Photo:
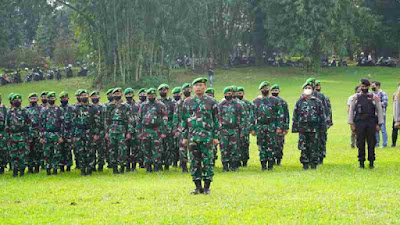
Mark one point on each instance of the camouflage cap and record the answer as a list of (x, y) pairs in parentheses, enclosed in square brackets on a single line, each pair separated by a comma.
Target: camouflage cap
[(228, 89), (176, 90), (151, 91), (94, 93), (109, 91), (263, 84), (51, 94), (44, 93), (16, 96), (210, 91), (142, 90), (240, 89), (186, 85), (33, 95), (200, 80), (163, 86), (129, 91), (116, 90), (63, 95), (275, 86)]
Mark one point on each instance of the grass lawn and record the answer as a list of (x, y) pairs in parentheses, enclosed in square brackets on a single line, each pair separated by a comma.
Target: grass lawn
[(337, 193)]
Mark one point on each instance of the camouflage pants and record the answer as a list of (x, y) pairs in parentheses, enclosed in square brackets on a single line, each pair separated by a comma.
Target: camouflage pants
[(183, 152), (281, 142), (35, 154), (229, 148), (18, 150), (134, 151), (167, 149), (152, 150), (4, 154), (66, 153), (309, 146), (324, 139), (267, 145), (52, 151), (244, 148), (175, 150), (201, 160), (86, 153), (118, 151), (99, 149)]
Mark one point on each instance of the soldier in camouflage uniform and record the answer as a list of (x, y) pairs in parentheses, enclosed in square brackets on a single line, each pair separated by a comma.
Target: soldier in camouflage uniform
[(84, 123), (168, 141), (142, 99), (268, 115), (11, 106), (17, 128), (176, 92), (133, 144), (183, 150), (200, 129), (310, 122), (51, 133), (35, 155), (98, 129), (232, 120), (3, 138), (211, 93), (275, 89), (119, 130), (75, 106), (152, 126), (67, 145), (109, 107), (110, 97), (245, 138)]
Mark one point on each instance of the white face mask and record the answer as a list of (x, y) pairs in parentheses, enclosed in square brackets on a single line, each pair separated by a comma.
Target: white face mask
[(307, 91)]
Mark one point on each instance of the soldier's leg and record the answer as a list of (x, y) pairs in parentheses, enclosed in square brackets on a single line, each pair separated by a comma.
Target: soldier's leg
[(312, 142), (272, 149), (57, 156), (148, 153), (122, 153), (207, 172), (30, 157), (157, 151), (361, 138), (3, 153), (303, 147), (225, 152), (279, 152), (81, 151), (262, 148), (244, 148), (183, 155), (113, 152), (135, 153), (47, 155), (168, 152), (101, 157), (68, 149), (370, 130), (129, 154), (395, 132), (235, 154), (176, 151), (195, 161)]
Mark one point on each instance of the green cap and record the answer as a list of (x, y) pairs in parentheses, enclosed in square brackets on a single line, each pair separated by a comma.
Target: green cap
[(33, 95), (94, 93), (118, 89), (317, 82), (186, 85), (10, 96), (263, 84), (306, 84), (63, 95), (176, 90), (310, 80), (210, 91), (163, 86), (228, 89), (109, 91), (44, 93), (51, 94), (200, 80), (78, 92), (84, 91), (142, 90), (234, 88), (16, 96), (275, 86), (151, 91), (129, 91), (240, 89)]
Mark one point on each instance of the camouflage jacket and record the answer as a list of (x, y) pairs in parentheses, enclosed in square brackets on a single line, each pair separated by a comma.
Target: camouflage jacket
[(69, 112), (268, 114), (232, 117), (153, 116), (285, 113), (3, 115), (17, 124), (178, 115), (83, 121), (309, 116), (99, 119), (326, 104), (52, 121), (170, 106), (200, 119), (134, 114), (119, 119)]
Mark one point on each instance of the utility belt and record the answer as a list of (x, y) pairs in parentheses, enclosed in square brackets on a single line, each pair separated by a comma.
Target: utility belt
[(363, 116)]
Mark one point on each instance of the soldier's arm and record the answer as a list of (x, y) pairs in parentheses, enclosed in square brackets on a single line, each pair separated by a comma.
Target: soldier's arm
[(330, 120), (216, 121), (185, 114), (242, 120), (164, 121), (350, 116), (287, 116), (280, 115), (322, 116), (131, 121), (295, 126)]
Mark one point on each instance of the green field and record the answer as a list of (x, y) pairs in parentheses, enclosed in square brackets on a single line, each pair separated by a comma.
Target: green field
[(336, 193)]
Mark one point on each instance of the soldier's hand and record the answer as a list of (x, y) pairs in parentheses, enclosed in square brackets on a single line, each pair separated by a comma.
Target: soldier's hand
[(41, 141), (353, 128), (278, 131), (128, 136), (163, 136), (285, 132), (185, 142), (60, 140), (96, 137), (216, 141), (107, 137), (378, 127), (253, 133), (397, 125)]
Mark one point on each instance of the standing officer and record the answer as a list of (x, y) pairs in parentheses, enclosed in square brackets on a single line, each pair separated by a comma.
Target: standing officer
[(245, 139), (98, 129), (3, 138), (35, 155), (200, 130), (133, 145), (365, 118), (67, 145), (211, 93), (176, 92)]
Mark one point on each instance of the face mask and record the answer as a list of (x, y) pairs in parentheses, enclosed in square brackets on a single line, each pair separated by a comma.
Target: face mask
[(187, 93), (142, 98), (44, 101), (110, 98), (64, 102), (51, 102), (275, 94), (84, 100), (374, 89), (319, 90), (32, 104), (235, 97), (152, 99), (17, 104), (177, 98), (95, 100), (129, 99), (228, 97), (163, 95), (265, 92), (79, 100), (240, 97), (364, 90), (117, 98), (307, 91)]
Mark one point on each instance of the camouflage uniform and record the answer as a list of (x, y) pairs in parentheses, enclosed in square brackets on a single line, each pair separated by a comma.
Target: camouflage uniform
[(268, 118), (108, 107), (152, 123), (140, 156), (210, 92), (133, 144), (3, 139), (35, 157), (99, 146), (309, 121), (67, 145), (245, 138)]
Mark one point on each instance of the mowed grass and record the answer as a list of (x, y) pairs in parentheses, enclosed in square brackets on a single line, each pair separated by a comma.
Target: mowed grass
[(337, 193)]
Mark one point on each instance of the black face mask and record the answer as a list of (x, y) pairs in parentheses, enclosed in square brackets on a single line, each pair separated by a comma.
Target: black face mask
[(265, 92), (152, 99), (110, 98), (51, 102), (187, 93), (64, 102), (117, 98), (275, 94), (142, 98), (364, 90), (319, 90), (129, 99), (235, 97), (177, 98), (228, 97), (32, 104), (17, 104), (79, 100), (44, 101), (84, 100), (240, 97), (374, 89), (95, 100), (163, 95)]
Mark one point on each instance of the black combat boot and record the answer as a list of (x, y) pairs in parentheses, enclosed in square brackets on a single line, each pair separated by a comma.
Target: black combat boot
[(122, 170), (207, 184), (305, 166), (83, 171), (115, 170), (1, 170), (55, 171), (141, 165), (89, 171), (244, 163), (225, 167), (321, 161), (184, 168), (157, 167), (371, 164), (166, 168), (133, 166), (22, 172), (100, 168), (62, 169), (128, 167), (48, 171), (148, 168), (199, 188), (37, 169), (271, 164), (313, 166), (278, 162), (15, 172), (94, 169), (68, 168), (77, 165), (30, 170), (233, 166), (362, 166), (175, 164), (263, 165)]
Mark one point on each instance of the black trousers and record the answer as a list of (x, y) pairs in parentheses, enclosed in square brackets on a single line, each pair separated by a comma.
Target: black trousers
[(395, 132), (366, 133)]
